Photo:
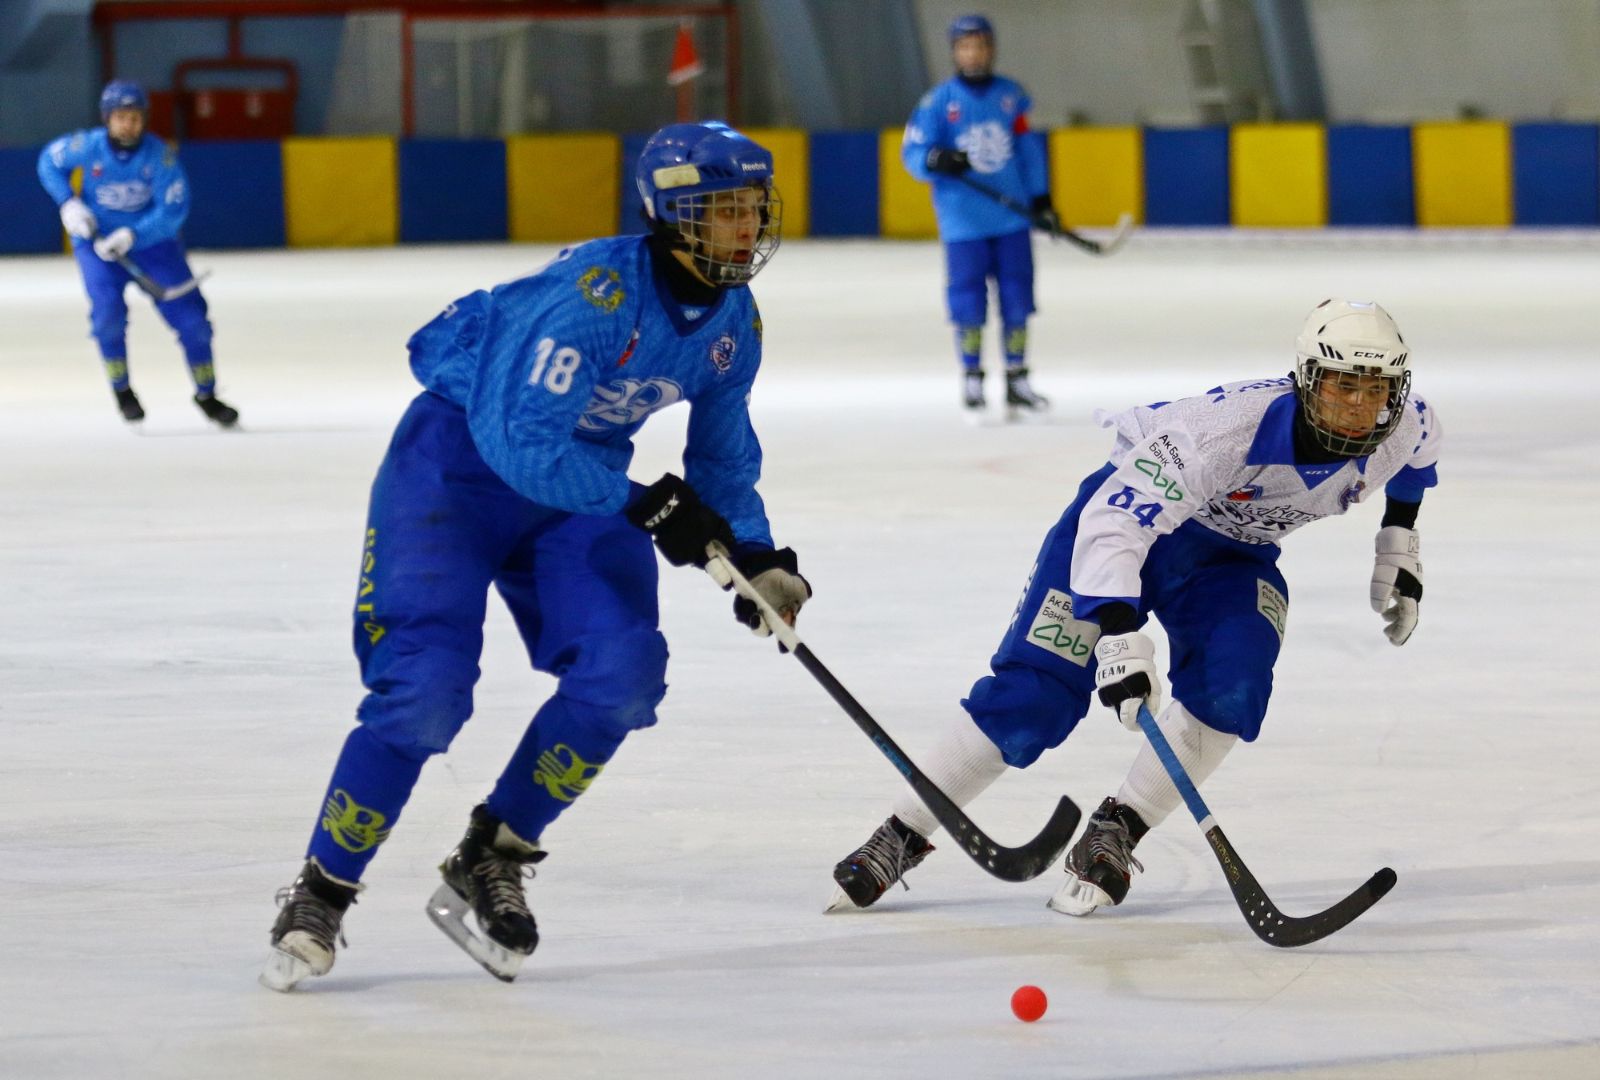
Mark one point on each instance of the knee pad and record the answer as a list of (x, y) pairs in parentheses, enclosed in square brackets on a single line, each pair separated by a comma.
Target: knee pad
[(418, 712), (108, 325), (1024, 711), (187, 317), (1237, 709), (618, 679)]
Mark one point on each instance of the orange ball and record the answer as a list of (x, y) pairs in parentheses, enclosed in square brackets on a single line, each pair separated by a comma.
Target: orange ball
[(1029, 1003)]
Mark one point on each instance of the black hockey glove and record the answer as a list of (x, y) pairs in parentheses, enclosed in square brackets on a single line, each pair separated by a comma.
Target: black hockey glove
[(942, 159), (1043, 216), (776, 576), (681, 524)]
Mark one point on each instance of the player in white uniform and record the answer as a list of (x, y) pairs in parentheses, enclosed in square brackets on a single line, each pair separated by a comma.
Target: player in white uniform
[(1184, 523)]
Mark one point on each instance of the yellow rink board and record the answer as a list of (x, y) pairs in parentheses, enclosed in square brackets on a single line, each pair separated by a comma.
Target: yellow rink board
[(791, 172), (341, 192), (1462, 173), (562, 187), (1097, 174), (905, 204), (1278, 175)]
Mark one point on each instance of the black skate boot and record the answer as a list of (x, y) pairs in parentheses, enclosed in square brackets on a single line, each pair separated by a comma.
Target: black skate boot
[(128, 402), (307, 929), (483, 876), (216, 409), (866, 873), (1100, 865), (1021, 396), (972, 392)]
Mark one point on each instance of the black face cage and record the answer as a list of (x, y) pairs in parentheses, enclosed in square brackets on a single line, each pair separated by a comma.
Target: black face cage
[(697, 215), (1307, 386)]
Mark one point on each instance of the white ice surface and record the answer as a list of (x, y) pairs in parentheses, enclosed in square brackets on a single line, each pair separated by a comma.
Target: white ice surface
[(176, 679)]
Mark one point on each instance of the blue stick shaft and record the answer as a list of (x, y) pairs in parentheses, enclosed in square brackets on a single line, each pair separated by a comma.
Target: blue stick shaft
[(1174, 767)]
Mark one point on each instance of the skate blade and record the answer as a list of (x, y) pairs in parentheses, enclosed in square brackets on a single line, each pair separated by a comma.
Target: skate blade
[(449, 913), (284, 971), (840, 901), (1079, 898)]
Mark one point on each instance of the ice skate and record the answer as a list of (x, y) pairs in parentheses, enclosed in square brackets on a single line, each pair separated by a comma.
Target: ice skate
[(1021, 398), (866, 873), (307, 929), (216, 409), (128, 403), (1101, 864), (972, 399), (483, 878)]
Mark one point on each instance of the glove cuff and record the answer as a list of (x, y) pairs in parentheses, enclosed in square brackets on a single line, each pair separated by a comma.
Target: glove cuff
[(1397, 540)]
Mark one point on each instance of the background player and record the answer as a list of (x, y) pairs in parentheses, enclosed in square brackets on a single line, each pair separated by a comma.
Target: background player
[(1184, 522), (135, 199), (510, 470), (974, 122)]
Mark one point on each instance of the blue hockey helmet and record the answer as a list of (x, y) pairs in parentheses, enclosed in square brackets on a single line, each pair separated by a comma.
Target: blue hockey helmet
[(962, 25), (122, 94), (711, 188)]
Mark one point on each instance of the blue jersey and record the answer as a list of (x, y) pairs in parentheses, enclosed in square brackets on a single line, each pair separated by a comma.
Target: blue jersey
[(143, 189), (990, 123), (556, 372)]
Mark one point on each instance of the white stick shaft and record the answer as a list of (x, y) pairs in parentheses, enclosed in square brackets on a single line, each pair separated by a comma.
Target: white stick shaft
[(723, 572)]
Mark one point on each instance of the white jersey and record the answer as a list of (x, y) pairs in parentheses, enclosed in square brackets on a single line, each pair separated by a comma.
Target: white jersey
[(1226, 460)]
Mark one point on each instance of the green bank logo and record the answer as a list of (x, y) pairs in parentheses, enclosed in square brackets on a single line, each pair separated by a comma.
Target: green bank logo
[(1053, 629), (1273, 606)]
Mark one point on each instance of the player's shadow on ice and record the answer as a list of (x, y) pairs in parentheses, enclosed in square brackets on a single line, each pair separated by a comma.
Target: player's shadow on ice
[(260, 429)]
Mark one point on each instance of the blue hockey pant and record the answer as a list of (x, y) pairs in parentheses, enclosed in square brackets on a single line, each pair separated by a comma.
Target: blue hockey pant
[(1222, 603), (106, 282), (442, 530), (969, 266)]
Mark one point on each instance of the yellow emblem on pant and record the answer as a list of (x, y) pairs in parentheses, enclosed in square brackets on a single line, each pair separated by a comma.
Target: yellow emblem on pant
[(352, 826), (564, 774)]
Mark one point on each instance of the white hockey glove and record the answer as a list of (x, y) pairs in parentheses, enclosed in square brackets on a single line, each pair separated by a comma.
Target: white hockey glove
[(114, 245), (78, 219), (1125, 675), (776, 576), (1397, 581)]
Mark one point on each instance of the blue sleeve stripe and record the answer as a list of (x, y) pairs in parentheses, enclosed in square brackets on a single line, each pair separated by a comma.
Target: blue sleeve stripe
[(1409, 484)]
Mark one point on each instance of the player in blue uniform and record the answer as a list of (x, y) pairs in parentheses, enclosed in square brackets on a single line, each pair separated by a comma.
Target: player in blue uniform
[(135, 199), (972, 127), (510, 470)]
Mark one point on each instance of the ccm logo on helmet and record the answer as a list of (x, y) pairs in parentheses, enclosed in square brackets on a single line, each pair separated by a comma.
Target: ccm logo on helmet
[(1361, 353)]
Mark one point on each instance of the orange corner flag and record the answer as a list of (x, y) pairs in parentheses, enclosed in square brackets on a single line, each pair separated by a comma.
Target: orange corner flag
[(686, 63)]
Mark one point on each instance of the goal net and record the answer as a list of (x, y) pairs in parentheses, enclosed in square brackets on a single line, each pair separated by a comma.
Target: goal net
[(434, 76)]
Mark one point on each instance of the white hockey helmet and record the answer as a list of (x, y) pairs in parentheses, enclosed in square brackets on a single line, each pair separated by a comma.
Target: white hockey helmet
[(1354, 337)]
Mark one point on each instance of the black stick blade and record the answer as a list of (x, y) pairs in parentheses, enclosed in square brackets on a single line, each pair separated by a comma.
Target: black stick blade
[(1019, 863), (1286, 931)]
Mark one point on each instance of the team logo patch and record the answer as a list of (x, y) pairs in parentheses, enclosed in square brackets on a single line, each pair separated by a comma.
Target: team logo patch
[(722, 353), (354, 827), (602, 288), (96, 169), (1054, 630), (563, 773), (625, 402), (952, 112), (988, 146), (1352, 494), (1248, 493), (1273, 605)]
